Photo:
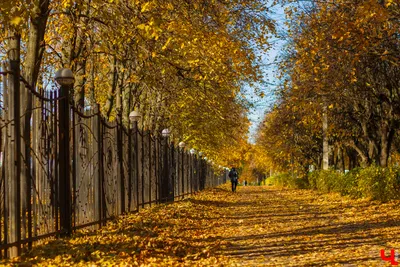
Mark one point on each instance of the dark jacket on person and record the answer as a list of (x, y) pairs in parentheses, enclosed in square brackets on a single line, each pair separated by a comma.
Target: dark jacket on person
[(233, 175)]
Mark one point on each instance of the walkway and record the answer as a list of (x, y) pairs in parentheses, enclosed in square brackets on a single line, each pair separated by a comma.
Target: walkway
[(257, 226)]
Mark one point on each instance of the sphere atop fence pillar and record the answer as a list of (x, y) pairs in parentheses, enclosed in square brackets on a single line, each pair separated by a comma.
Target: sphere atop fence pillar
[(182, 144), (64, 77)]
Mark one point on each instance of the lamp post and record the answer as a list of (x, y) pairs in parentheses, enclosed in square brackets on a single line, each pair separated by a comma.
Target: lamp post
[(202, 173), (192, 168), (65, 78), (134, 117), (182, 144), (182, 147), (210, 173), (165, 185), (166, 133)]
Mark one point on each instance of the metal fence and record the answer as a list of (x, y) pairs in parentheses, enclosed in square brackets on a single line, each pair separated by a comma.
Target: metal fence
[(64, 169)]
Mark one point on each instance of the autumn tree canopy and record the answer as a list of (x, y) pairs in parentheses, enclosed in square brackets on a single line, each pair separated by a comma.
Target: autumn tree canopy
[(342, 59), (182, 64)]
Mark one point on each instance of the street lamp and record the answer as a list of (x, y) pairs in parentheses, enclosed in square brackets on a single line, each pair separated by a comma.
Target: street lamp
[(182, 147), (65, 78), (182, 144), (167, 187), (166, 132), (192, 165), (202, 171), (134, 117)]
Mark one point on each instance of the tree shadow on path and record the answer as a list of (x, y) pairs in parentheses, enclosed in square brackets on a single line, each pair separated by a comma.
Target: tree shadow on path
[(308, 231)]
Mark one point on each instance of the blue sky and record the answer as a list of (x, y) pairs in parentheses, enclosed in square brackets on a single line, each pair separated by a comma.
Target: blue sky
[(270, 60)]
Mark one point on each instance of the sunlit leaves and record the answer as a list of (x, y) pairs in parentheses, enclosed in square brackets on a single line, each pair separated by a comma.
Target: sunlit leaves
[(340, 56), (166, 57), (256, 226)]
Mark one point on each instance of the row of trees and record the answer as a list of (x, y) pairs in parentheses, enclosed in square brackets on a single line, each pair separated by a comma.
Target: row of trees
[(340, 70), (182, 64)]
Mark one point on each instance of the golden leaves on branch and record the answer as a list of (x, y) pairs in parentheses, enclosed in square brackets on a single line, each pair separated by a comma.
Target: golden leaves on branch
[(336, 53), (162, 56)]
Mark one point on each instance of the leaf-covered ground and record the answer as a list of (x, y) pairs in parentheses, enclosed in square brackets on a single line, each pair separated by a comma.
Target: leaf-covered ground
[(256, 226)]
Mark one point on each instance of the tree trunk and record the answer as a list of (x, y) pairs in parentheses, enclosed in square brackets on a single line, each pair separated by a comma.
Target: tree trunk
[(79, 85), (33, 59), (360, 152), (386, 142), (110, 97), (126, 103), (325, 143), (342, 160), (92, 86)]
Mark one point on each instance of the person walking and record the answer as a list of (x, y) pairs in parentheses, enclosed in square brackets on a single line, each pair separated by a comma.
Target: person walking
[(233, 175)]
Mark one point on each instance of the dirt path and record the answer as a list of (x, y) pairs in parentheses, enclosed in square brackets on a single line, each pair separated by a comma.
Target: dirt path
[(257, 226), (272, 227)]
